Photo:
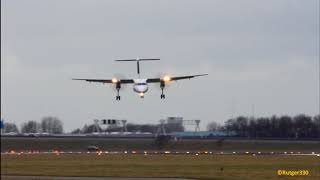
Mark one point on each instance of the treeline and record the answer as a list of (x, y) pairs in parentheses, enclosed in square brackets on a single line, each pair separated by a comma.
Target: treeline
[(296, 127), (51, 125), (300, 126), (143, 128)]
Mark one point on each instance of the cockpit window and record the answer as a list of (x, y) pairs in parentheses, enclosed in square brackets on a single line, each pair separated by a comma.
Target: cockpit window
[(141, 83)]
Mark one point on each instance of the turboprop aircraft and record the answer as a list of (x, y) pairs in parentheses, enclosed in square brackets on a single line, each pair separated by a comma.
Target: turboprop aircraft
[(140, 85)]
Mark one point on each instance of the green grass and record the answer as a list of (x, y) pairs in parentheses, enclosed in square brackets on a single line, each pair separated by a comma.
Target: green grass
[(183, 166), (79, 144)]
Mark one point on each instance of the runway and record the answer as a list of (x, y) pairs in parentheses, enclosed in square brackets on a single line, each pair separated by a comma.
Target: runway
[(55, 152), (81, 178)]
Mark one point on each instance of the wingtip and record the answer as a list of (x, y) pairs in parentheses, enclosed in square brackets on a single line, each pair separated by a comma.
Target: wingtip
[(203, 74)]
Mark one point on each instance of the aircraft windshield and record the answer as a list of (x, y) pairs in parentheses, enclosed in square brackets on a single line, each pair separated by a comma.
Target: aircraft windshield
[(141, 83)]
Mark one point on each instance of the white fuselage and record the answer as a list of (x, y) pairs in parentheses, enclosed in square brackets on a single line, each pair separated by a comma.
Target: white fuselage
[(140, 86)]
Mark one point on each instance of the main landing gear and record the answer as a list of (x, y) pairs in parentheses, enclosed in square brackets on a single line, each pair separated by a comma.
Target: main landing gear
[(162, 85), (118, 86), (118, 96)]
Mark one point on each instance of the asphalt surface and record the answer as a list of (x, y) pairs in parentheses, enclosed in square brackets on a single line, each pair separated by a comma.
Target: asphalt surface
[(158, 153), (81, 178)]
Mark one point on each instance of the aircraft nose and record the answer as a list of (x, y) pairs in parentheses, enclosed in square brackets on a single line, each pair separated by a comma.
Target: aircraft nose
[(145, 88)]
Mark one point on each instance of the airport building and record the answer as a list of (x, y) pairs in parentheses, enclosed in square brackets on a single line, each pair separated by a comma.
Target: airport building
[(203, 134), (175, 120)]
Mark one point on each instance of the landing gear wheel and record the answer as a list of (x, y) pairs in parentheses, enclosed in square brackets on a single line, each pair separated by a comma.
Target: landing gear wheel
[(118, 89), (162, 96)]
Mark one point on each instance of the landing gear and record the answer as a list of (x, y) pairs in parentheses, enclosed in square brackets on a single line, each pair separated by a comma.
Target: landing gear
[(162, 85), (118, 86)]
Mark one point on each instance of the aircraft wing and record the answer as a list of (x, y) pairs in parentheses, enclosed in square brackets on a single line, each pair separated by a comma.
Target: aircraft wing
[(122, 81), (156, 80)]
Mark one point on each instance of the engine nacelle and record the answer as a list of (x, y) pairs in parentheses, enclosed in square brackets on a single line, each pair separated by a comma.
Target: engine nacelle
[(162, 84), (118, 85)]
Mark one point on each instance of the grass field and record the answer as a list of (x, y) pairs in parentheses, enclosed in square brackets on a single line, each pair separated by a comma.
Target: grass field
[(80, 144), (185, 166)]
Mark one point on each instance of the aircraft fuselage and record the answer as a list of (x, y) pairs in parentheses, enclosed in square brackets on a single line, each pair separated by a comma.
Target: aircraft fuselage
[(140, 86)]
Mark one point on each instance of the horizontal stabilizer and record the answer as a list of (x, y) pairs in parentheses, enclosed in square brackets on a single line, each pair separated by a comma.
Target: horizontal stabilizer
[(137, 60)]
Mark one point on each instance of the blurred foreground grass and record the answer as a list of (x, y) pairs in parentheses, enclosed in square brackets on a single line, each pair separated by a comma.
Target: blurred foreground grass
[(183, 166)]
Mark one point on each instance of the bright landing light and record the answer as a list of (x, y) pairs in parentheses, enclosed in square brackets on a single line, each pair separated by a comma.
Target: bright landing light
[(114, 80), (141, 94), (167, 78)]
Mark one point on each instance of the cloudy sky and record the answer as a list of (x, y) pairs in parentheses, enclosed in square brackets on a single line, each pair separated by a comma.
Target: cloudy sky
[(261, 54)]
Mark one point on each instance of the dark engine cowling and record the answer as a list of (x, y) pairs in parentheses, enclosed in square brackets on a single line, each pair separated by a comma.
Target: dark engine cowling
[(118, 85), (162, 84)]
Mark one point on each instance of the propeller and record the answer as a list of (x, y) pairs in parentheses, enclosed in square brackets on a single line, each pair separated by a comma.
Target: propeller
[(166, 77), (117, 78)]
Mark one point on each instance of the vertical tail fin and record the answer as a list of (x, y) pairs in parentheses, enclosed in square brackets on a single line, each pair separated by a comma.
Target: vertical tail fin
[(138, 67)]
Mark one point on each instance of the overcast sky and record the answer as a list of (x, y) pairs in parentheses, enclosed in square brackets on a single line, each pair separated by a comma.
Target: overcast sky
[(261, 54)]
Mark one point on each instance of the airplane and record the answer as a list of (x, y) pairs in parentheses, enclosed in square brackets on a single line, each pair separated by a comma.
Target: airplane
[(140, 85)]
